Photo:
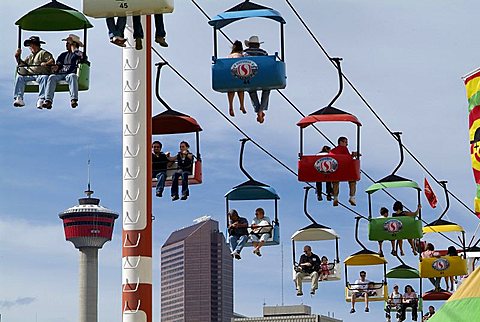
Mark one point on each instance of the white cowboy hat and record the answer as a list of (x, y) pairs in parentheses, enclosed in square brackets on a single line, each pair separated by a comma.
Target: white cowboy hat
[(75, 39), (253, 39)]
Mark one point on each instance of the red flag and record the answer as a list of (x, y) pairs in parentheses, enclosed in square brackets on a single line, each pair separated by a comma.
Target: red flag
[(431, 197)]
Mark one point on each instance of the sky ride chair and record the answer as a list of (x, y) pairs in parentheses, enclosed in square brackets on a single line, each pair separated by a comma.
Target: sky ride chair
[(250, 73), (365, 257), (312, 233), (119, 8), (173, 122), (394, 228), (405, 272), (252, 190), (329, 167), (55, 16), (443, 265)]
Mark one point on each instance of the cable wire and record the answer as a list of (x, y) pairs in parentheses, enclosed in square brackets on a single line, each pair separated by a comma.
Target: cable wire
[(362, 98), (238, 128)]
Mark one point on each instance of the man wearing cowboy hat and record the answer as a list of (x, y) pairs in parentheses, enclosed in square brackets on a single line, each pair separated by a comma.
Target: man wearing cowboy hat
[(34, 67), (65, 69), (253, 49)]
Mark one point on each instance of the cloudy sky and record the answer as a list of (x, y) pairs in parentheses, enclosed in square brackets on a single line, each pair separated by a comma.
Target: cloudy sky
[(405, 57)]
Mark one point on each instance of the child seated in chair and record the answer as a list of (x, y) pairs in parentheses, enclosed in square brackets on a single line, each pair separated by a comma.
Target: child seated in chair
[(324, 269)]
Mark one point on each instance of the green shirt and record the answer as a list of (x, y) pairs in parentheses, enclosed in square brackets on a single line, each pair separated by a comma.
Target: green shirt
[(34, 61)]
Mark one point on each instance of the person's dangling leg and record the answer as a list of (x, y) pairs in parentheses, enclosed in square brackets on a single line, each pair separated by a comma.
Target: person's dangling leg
[(230, 96)]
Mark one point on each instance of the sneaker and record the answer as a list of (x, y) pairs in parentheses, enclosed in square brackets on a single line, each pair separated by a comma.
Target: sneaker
[(352, 311), (47, 104), (161, 41), (119, 41), (138, 44), (380, 254), (237, 256), (299, 293), (367, 309), (257, 252), (389, 319), (74, 103), (319, 197), (158, 194), (18, 102), (352, 201), (329, 197), (184, 197), (40, 102), (335, 201), (312, 292), (393, 252), (174, 197)]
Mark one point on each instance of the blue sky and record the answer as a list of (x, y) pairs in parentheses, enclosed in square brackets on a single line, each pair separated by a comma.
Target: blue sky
[(405, 57)]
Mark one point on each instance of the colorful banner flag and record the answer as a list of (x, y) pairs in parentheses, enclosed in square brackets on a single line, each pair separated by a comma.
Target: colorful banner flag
[(431, 197), (472, 86)]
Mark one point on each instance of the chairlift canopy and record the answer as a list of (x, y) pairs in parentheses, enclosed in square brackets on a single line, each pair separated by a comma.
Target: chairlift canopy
[(328, 114), (53, 16), (173, 122), (252, 190), (392, 181), (315, 232), (243, 11)]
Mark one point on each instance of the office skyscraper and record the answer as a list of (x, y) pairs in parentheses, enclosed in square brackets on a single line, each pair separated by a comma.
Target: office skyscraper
[(197, 275)]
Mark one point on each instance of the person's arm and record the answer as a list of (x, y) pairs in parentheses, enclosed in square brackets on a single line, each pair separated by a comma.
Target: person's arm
[(242, 224), (414, 214), (19, 60)]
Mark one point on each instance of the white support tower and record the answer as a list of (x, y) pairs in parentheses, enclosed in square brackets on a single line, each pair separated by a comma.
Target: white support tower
[(137, 193)]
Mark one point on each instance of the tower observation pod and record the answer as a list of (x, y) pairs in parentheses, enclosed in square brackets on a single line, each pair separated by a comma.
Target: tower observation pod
[(88, 226)]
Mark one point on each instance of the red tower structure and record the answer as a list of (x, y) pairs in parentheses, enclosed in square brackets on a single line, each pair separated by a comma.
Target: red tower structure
[(88, 226)]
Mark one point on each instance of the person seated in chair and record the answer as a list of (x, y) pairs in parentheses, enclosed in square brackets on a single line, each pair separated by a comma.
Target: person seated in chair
[(238, 233), (34, 67), (253, 49), (308, 265), (65, 68), (394, 301), (261, 230), (184, 160), (341, 148), (361, 289), (410, 299), (160, 163)]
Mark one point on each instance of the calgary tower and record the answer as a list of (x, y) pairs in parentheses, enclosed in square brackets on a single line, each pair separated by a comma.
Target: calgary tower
[(88, 226)]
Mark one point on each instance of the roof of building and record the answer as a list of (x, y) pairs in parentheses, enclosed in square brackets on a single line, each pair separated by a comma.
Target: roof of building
[(184, 233)]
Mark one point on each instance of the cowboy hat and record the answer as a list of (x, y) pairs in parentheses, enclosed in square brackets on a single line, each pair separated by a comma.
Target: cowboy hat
[(33, 40), (254, 40), (75, 39)]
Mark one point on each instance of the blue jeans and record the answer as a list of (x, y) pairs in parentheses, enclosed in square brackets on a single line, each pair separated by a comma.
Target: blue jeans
[(116, 29), (176, 176), (161, 176), (237, 243), (159, 27), (20, 85), (257, 105), (72, 80)]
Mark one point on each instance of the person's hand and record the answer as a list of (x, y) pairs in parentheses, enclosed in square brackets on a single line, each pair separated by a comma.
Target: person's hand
[(54, 68), (167, 154), (419, 207), (43, 64), (18, 53), (254, 226)]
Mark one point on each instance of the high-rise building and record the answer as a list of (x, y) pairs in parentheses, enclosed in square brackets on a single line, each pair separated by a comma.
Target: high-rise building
[(287, 313), (197, 275)]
